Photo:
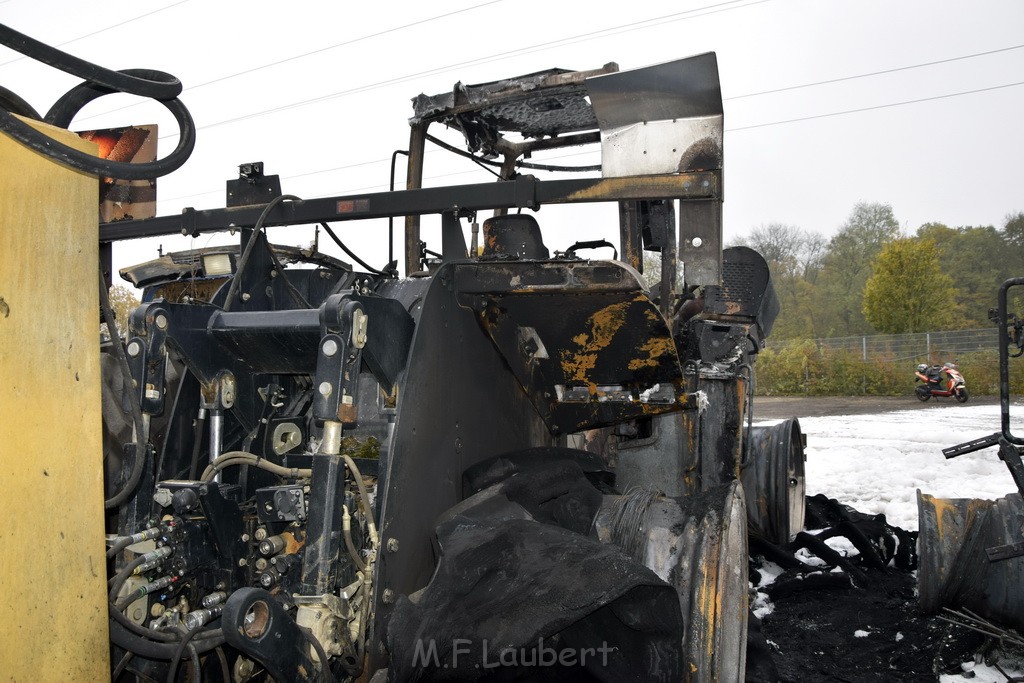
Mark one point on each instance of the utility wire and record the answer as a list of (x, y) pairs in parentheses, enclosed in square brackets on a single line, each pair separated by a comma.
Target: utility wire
[(727, 130), (874, 73), (368, 36), (102, 30), (347, 42), (877, 106), (570, 40)]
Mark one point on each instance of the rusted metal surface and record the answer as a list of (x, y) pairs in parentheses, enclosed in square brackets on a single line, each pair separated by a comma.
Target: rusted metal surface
[(955, 570)]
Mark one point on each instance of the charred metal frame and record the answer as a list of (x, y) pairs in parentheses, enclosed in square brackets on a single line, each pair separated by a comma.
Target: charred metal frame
[(522, 193)]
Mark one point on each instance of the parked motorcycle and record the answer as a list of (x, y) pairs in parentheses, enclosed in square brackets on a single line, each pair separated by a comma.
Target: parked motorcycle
[(935, 385)]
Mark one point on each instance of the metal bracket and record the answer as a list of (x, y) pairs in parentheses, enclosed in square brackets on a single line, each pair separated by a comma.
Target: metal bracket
[(453, 242), (256, 624), (147, 360), (338, 361)]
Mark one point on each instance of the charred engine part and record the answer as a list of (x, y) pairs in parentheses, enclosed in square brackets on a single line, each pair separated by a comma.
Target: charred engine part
[(715, 443)]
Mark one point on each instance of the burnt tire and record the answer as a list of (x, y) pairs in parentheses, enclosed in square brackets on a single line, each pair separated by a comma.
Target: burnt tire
[(663, 581), (962, 395)]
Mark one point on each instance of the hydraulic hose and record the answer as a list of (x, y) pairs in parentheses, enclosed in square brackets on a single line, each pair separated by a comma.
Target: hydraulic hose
[(14, 104), (99, 81), (122, 542), (122, 637), (229, 300), (365, 496), (144, 87), (129, 569), (346, 530), (186, 642), (151, 634), (325, 669), (242, 458)]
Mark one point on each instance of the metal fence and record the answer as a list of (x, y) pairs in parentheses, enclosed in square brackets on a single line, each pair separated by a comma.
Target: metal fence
[(926, 346)]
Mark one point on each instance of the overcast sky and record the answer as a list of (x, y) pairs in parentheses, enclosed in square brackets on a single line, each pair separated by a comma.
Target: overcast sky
[(320, 91)]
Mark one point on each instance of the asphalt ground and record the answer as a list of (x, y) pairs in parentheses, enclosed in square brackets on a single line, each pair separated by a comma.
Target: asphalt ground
[(781, 407)]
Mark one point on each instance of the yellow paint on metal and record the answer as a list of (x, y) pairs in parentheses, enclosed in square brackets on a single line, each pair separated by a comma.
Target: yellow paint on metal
[(602, 325), (708, 599), (698, 185), (651, 351), (53, 614)]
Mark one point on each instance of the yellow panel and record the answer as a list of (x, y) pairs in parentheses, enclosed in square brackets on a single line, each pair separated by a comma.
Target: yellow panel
[(53, 616)]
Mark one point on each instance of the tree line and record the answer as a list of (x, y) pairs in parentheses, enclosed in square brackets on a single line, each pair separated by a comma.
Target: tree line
[(871, 278)]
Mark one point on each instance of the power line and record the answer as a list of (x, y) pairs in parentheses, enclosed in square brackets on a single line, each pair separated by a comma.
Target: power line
[(347, 42), (369, 163), (102, 30), (314, 52), (570, 40), (727, 130), (874, 73), (877, 106)]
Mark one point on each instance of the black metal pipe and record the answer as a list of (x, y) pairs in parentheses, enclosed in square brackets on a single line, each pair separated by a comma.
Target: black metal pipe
[(524, 193), (327, 491), (1004, 360), (391, 219)]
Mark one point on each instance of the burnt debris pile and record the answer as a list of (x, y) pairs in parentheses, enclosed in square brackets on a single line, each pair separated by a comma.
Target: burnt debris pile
[(840, 602)]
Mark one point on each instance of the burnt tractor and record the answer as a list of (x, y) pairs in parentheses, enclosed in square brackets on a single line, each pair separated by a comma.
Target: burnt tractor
[(516, 461)]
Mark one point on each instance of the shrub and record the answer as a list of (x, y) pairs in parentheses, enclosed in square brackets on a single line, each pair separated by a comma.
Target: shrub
[(804, 369)]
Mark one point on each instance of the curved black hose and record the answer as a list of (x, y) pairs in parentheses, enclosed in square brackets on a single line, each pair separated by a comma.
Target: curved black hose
[(229, 300), (121, 637), (120, 545), (295, 293), (119, 669), (197, 669), (337, 240), (172, 672), (13, 103), (70, 103), (152, 634), (100, 81), (122, 576), (125, 493), (225, 670), (326, 675), (165, 89)]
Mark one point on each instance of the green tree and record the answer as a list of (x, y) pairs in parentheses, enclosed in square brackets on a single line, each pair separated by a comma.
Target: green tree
[(123, 301), (908, 290), (1013, 229), (794, 259), (846, 267), (978, 258)]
